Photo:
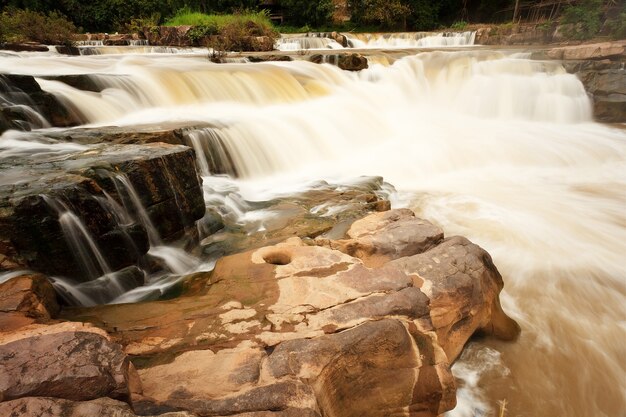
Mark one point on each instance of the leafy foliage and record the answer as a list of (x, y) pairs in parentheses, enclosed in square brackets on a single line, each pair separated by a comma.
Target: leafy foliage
[(26, 25), (584, 19), (305, 12)]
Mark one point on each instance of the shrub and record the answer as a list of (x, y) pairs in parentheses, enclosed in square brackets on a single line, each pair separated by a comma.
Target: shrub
[(582, 20), (460, 25), (26, 25)]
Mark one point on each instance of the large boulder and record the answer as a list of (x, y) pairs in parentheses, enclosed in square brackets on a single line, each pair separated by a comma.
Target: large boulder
[(303, 329), (67, 360)]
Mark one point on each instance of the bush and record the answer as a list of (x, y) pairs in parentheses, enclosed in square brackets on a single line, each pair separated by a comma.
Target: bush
[(583, 20), (234, 32), (26, 25), (460, 25)]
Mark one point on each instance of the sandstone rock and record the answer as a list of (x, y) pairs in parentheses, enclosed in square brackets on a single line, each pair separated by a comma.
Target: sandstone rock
[(300, 329), (462, 284), (31, 295), (389, 235), (58, 361), (589, 51), (56, 407)]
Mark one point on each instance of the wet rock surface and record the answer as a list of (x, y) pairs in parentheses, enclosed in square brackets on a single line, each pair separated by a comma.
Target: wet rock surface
[(301, 329), (80, 179), (20, 93)]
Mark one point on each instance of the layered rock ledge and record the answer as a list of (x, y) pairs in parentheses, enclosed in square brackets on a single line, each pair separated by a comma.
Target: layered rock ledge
[(367, 325), (88, 181)]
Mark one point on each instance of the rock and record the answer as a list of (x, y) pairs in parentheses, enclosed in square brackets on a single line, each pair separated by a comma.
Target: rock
[(68, 361), (462, 284), (352, 62), (269, 58), (168, 35), (31, 295), (82, 82), (68, 50), (389, 235), (601, 50), (23, 90), (56, 407), (347, 62), (24, 47), (163, 176), (610, 109), (302, 329), (325, 210)]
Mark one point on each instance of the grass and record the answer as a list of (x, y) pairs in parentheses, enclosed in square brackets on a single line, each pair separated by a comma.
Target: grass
[(187, 17)]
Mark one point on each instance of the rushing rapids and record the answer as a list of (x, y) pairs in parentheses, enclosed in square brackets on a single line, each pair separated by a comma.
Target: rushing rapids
[(495, 147)]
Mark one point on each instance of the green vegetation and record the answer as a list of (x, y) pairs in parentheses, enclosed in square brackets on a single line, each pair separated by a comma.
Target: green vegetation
[(460, 25), (586, 18), (583, 18), (233, 32), (187, 16), (24, 25), (305, 12)]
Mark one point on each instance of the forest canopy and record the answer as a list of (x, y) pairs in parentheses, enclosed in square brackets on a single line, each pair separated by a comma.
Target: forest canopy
[(117, 15)]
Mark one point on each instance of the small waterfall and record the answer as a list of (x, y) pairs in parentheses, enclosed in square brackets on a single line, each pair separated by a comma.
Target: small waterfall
[(411, 39), (212, 154), (297, 43), (138, 42), (140, 47), (176, 260), (90, 43), (17, 106), (84, 248)]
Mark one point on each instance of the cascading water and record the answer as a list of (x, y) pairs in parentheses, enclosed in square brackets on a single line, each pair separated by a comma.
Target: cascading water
[(411, 39), (495, 147)]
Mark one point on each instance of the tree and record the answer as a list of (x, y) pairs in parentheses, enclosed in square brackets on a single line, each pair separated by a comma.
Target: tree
[(305, 12)]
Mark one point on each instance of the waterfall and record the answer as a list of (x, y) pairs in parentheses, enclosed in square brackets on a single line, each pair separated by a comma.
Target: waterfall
[(490, 145), (411, 39), (82, 245), (296, 43)]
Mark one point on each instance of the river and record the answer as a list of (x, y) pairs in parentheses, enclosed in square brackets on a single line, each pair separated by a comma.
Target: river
[(487, 144)]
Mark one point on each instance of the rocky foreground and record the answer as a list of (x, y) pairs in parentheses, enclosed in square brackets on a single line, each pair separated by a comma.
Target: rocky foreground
[(367, 325)]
